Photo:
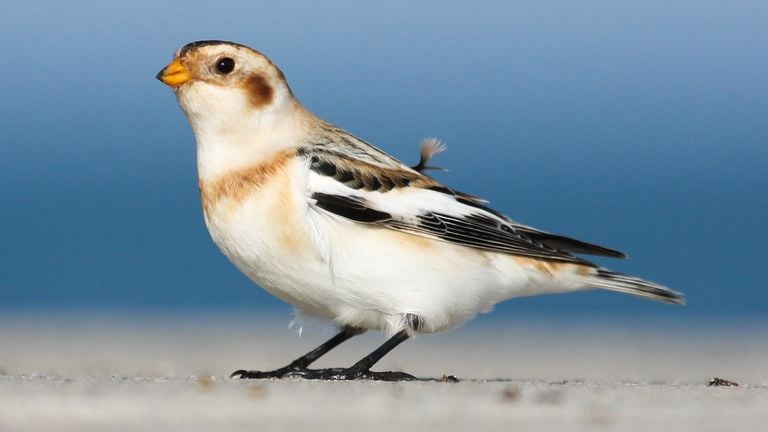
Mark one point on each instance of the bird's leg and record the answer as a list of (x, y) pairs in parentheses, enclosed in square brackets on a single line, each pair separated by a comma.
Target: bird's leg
[(298, 367), (362, 369)]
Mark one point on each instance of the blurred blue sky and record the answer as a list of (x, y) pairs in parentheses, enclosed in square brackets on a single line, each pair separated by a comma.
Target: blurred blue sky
[(642, 126)]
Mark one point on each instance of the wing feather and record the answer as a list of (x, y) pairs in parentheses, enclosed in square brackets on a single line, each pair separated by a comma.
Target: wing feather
[(387, 193)]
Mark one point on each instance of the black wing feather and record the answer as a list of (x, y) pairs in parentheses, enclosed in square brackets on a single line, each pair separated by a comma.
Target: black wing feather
[(349, 207), (476, 230), (554, 241)]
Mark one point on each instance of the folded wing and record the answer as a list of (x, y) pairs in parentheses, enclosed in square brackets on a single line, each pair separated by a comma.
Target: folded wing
[(394, 196)]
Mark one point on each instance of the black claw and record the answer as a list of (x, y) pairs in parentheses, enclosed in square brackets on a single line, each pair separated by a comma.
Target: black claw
[(390, 376), (238, 374), (284, 372)]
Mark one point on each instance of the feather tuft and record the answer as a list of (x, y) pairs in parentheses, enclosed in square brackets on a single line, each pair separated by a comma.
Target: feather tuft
[(429, 148)]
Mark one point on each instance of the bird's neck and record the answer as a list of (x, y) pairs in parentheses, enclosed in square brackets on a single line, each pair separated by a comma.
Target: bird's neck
[(237, 142)]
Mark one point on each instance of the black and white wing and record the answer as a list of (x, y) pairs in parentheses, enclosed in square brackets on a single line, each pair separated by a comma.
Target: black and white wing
[(389, 194)]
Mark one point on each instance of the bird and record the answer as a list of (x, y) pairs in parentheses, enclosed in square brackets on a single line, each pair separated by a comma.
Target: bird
[(344, 231)]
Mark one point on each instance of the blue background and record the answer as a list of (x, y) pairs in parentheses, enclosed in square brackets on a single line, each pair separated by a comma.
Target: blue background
[(642, 126)]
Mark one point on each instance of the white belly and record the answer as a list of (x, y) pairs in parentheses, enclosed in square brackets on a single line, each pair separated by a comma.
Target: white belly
[(358, 274)]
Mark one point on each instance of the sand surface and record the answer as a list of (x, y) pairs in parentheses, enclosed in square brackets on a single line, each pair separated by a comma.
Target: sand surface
[(150, 373)]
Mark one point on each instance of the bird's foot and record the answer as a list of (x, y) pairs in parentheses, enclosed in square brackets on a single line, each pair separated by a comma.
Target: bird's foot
[(353, 373), (330, 374), (283, 372)]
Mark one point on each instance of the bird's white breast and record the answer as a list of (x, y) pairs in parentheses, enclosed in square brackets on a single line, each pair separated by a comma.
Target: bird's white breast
[(257, 217)]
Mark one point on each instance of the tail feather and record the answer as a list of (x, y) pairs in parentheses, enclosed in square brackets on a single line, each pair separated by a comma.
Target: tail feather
[(620, 282)]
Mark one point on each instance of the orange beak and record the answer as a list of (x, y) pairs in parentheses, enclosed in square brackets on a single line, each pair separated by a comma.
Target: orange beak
[(175, 74)]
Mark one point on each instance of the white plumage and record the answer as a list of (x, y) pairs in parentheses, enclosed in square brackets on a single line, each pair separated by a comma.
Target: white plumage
[(342, 230)]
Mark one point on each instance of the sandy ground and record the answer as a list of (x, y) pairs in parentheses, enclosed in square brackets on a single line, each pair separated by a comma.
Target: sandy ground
[(74, 372)]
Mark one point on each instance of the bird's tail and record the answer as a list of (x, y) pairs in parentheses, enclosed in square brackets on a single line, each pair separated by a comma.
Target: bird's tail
[(619, 282)]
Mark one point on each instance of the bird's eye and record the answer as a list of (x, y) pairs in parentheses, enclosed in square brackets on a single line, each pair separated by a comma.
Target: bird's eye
[(225, 65)]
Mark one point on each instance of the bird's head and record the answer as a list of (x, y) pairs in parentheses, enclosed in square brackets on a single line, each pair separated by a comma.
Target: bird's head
[(218, 83)]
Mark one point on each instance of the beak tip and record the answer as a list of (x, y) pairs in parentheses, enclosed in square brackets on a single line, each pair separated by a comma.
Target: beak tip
[(175, 74)]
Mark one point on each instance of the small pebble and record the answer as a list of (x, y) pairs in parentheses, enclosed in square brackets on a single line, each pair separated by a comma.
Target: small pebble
[(449, 379), (719, 382)]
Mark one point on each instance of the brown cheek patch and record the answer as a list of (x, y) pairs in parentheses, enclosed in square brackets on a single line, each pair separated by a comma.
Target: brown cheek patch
[(236, 186), (260, 92)]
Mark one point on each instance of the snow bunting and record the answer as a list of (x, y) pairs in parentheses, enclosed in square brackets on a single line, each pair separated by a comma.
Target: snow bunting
[(344, 231)]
